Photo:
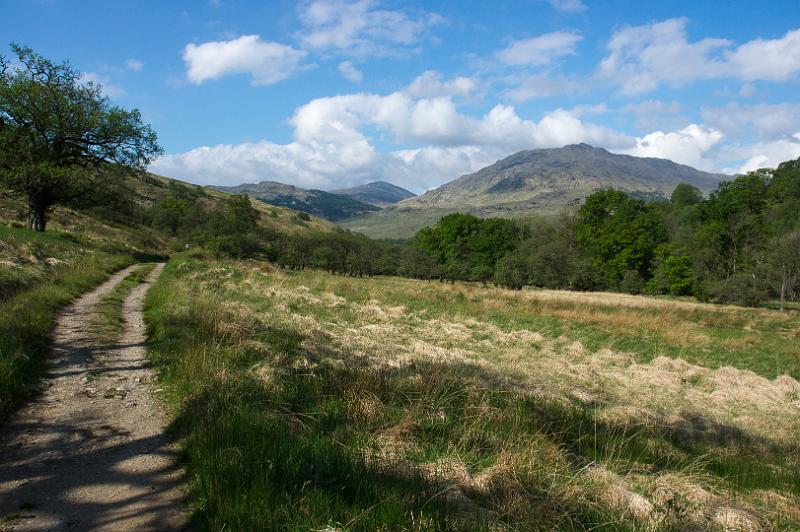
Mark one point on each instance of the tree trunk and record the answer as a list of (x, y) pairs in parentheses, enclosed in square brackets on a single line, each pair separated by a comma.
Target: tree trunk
[(783, 293), (37, 216)]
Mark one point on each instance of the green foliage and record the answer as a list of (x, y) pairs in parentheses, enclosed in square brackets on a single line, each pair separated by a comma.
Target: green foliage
[(673, 275), (464, 245), (619, 235), (229, 228), (70, 150), (512, 271), (686, 195), (28, 314)]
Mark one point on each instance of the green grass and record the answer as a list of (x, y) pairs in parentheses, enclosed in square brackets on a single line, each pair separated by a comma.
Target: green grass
[(27, 315), (109, 310), (767, 343), (287, 423)]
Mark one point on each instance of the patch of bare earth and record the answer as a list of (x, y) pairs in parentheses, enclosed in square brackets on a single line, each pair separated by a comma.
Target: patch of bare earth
[(89, 453)]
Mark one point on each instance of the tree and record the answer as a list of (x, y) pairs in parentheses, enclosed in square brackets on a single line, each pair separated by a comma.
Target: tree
[(60, 138), (618, 234), (783, 263)]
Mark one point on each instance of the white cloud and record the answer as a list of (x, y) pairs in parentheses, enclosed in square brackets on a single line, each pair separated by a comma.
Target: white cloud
[(134, 64), (573, 6), (541, 50), (331, 149), (265, 62), (108, 88), (767, 120), (690, 145), (350, 72), (771, 60), (431, 84), (641, 58), (764, 154), (361, 28)]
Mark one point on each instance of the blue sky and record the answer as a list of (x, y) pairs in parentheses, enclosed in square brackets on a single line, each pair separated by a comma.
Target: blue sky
[(328, 93)]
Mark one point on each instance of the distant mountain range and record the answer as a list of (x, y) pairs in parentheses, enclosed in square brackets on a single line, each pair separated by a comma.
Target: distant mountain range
[(333, 206), (378, 193), (533, 181)]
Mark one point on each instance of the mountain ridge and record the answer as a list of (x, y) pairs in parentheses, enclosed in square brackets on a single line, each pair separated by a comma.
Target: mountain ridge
[(326, 205), (378, 193), (534, 181)]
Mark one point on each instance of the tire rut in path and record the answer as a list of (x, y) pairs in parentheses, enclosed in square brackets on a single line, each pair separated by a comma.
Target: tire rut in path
[(89, 452)]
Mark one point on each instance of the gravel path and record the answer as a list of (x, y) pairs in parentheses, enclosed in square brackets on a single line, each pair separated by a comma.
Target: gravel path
[(89, 453)]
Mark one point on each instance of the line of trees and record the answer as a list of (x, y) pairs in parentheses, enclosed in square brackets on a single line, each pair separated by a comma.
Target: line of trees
[(62, 141), (739, 245)]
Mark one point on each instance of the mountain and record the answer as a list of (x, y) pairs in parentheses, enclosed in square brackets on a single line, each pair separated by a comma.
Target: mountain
[(534, 181), (378, 193), (326, 205)]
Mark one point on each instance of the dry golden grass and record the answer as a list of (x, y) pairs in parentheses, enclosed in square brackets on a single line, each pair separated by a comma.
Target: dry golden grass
[(716, 412)]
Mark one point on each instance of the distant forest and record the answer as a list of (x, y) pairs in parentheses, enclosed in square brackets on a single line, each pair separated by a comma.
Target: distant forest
[(739, 245)]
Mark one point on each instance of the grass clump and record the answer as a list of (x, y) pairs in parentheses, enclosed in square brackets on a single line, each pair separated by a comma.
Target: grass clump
[(308, 401)]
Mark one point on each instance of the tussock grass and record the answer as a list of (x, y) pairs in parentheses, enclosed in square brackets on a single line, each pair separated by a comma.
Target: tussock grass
[(308, 401)]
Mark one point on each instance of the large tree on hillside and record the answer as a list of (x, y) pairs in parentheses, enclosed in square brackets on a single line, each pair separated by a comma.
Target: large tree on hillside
[(60, 136)]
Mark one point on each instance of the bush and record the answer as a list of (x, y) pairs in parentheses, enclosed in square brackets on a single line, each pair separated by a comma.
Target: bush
[(632, 282), (742, 288), (511, 271)]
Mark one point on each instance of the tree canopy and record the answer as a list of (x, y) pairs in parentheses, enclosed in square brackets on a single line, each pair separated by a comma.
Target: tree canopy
[(60, 138)]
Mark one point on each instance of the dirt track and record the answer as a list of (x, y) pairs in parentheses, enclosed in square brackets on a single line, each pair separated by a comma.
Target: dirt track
[(89, 453)]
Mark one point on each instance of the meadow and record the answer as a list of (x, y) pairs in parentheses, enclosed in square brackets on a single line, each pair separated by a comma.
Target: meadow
[(305, 400)]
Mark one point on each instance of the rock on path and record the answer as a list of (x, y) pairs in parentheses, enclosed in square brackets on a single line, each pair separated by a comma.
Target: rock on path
[(89, 453)]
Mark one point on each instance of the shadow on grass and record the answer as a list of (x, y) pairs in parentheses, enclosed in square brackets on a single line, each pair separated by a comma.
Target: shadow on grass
[(291, 452)]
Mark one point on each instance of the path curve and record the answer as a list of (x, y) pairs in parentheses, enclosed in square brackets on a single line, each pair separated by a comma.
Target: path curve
[(89, 453)]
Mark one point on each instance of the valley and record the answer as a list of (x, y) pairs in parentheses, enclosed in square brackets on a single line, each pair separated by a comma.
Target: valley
[(570, 338)]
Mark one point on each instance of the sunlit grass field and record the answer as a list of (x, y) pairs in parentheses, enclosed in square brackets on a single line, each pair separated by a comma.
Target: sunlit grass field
[(307, 401)]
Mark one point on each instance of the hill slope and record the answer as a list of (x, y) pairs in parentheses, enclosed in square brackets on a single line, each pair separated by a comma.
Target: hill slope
[(545, 180), (378, 193), (317, 202)]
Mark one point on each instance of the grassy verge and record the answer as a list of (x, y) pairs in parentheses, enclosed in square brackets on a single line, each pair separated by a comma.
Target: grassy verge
[(109, 310), (308, 401), (27, 314)]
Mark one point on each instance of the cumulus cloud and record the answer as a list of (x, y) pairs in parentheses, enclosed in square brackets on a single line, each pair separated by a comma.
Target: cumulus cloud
[(640, 58), (690, 145), (432, 84), (764, 154), (330, 148), (265, 62), (350, 72), (107, 87), (540, 50), (361, 28), (573, 6), (771, 60)]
